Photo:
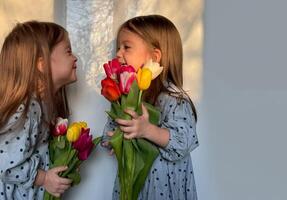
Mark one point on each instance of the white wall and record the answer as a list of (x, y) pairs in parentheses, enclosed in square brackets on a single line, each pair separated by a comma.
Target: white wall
[(242, 114)]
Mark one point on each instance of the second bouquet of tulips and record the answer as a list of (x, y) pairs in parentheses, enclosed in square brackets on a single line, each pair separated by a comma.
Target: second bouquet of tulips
[(123, 87), (70, 146)]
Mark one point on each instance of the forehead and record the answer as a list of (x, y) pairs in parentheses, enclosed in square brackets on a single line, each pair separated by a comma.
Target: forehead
[(126, 35), (63, 43)]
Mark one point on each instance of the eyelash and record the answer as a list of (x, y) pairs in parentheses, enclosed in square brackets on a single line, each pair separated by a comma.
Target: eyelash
[(124, 47)]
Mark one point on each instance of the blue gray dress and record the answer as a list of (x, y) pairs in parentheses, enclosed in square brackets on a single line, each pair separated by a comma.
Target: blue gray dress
[(171, 176), (23, 150)]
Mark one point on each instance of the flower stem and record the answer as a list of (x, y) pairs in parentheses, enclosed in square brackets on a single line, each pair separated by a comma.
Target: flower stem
[(139, 99)]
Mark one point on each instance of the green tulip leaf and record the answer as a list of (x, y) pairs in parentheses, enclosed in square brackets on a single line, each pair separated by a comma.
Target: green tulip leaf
[(75, 177), (132, 98), (154, 113)]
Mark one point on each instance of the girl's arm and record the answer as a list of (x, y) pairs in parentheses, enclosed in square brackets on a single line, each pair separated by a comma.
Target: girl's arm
[(19, 163), (177, 133)]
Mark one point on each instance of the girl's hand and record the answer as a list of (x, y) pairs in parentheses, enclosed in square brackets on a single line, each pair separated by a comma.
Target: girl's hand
[(137, 127), (107, 144), (55, 184)]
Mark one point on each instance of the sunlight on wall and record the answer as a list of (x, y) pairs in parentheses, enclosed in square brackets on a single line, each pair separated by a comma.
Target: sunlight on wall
[(13, 11), (187, 17), (93, 26)]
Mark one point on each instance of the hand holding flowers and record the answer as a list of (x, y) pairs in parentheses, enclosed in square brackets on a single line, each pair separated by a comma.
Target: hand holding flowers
[(69, 146), (138, 127), (134, 154)]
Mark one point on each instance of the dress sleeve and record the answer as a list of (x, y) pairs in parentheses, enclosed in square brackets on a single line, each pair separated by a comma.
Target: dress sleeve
[(178, 118), (19, 163), (109, 126)]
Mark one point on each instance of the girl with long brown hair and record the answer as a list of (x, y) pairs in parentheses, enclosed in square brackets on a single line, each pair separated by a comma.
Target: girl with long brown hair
[(171, 176), (36, 62)]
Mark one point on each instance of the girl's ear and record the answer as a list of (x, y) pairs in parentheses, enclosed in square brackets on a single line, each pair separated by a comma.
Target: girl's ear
[(156, 55), (41, 64)]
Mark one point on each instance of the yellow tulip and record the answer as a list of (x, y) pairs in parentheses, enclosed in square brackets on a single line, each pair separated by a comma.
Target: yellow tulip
[(144, 77), (73, 132), (83, 124)]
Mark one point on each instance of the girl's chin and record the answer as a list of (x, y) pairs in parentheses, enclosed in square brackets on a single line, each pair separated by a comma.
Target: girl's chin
[(72, 80)]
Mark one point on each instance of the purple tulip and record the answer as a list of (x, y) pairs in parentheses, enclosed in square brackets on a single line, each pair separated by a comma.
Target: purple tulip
[(84, 144)]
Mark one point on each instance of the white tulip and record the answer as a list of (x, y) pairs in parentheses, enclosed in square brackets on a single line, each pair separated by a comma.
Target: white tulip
[(154, 67)]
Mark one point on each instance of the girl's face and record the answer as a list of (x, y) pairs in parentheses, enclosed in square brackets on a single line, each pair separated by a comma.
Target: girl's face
[(132, 49), (63, 64)]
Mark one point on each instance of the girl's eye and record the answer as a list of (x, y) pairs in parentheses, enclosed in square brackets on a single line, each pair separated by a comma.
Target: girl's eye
[(126, 47), (69, 51)]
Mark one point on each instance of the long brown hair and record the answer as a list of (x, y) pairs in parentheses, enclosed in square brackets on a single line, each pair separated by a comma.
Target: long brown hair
[(20, 77), (160, 33)]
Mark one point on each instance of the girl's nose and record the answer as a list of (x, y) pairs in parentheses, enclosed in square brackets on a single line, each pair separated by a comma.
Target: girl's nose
[(119, 53), (75, 58)]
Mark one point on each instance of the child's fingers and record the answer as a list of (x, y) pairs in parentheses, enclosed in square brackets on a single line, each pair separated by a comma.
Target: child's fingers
[(110, 133), (105, 144), (59, 169), (63, 187), (55, 194), (144, 110), (111, 152), (61, 191), (124, 122), (127, 129), (129, 136), (132, 113), (65, 181)]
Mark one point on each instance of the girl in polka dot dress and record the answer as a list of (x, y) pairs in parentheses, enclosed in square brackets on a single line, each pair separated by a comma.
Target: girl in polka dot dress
[(171, 176), (36, 62)]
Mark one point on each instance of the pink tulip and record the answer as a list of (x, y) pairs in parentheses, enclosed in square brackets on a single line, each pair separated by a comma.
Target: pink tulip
[(112, 68), (60, 127), (84, 144), (127, 76)]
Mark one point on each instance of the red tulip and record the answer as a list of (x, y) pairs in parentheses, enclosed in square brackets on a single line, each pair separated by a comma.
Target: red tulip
[(84, 145), (127, 76), (110, 89), (112, 68)]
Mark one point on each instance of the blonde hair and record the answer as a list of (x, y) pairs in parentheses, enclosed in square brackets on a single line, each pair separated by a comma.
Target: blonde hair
[(160, 33), (20, 77)]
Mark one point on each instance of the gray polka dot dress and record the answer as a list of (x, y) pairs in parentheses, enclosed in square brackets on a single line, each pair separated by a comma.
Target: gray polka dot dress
[(171, 176), (23, 150)]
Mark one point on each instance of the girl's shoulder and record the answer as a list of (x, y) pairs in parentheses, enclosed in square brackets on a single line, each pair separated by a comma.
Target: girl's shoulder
[(23, 113), (173, 94)]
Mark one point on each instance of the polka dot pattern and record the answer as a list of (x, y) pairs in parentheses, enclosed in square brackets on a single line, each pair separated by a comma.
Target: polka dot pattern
[(171, 176), (22, 151)]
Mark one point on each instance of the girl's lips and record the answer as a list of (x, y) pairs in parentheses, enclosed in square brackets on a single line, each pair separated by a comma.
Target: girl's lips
[(75, 67)]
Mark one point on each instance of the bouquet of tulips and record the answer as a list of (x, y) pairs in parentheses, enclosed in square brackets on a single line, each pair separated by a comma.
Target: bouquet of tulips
[(70, 146), (123, 87)]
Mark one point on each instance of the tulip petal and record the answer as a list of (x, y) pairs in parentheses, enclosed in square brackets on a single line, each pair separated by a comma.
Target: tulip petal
[(154, 67)]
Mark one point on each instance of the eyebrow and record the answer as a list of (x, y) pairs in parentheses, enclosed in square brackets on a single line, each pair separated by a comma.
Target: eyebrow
[(126, 41)]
